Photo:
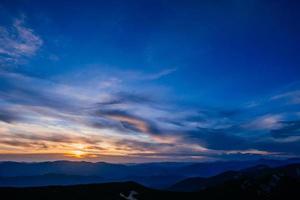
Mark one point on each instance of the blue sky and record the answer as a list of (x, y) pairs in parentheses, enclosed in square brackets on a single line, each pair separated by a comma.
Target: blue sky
[(145, 81)]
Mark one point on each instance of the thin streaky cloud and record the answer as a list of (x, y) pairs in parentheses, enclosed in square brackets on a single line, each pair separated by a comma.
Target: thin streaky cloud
[(159, 74), (17, 42), (292, 97)]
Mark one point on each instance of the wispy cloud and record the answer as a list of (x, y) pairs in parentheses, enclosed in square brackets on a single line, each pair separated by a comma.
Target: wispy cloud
[(160, 74), (129, 120), (289, 129), (292, 97), (268, 122), (18, 42)]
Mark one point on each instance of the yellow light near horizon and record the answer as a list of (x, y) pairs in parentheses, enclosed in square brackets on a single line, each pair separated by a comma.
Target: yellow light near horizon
[(78, 154)]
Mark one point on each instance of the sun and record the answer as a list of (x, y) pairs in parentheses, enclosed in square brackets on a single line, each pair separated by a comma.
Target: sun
[(78, 154)]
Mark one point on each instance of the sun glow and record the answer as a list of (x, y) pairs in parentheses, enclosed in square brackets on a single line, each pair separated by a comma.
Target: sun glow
[(78, 154)]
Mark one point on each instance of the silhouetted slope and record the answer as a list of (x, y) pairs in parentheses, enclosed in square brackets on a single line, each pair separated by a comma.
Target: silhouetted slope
[(278, 183), (261, 176), (199, 183), (106, 191)]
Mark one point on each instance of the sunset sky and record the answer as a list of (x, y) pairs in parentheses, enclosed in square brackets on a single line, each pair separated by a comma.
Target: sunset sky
[(145, 81)]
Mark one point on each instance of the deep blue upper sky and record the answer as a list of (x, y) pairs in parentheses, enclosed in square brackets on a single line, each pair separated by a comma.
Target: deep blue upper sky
[(175, 80)]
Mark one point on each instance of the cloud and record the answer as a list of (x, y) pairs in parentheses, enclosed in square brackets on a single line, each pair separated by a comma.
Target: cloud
[(129, 120), (18, 42), (219, 139), (267, 122), (45, 107), (288, 129), (292, 97), (127, 97), (291, 148), (56, 137), (133, 145), (24, 144), (160, 74), (24, 90), (9, 116)]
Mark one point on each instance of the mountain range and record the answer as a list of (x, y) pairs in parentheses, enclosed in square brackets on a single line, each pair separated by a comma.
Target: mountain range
[(154, 175), (260, 183)]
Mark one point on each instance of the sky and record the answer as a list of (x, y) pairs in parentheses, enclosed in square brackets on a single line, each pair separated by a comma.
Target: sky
[(149, 81)]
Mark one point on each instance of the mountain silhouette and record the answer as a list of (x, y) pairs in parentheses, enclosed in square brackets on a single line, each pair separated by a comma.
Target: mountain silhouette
[(259, 183), (154, 175)]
